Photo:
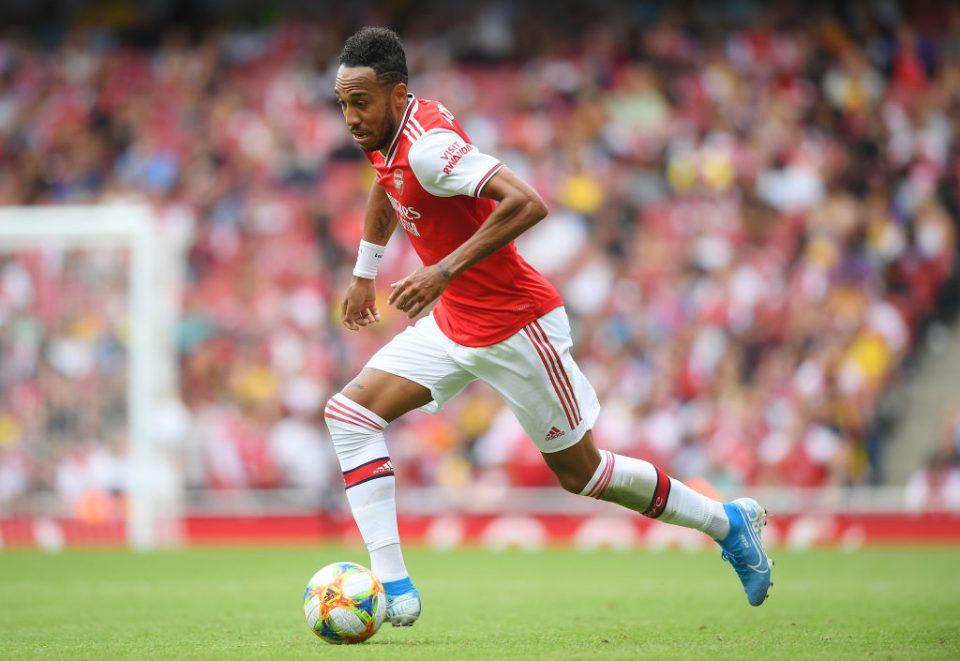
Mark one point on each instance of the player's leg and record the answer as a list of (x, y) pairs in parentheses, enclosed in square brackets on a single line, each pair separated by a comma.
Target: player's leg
[(411, 371), (637, 485), (356, 418), (645, 488), (557, 406)]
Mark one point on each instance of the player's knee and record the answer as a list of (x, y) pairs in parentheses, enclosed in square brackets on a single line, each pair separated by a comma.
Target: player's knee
[(571, 478), (351, 425), (330, 413)]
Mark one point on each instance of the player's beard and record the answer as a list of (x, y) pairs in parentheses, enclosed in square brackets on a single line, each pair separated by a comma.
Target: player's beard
[(389, 130)]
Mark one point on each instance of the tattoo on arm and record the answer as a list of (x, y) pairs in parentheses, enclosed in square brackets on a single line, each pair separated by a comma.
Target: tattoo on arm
[(358, 386), (444, 270), (383, 225)]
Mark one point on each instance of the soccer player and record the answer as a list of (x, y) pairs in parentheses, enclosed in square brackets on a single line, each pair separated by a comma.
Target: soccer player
[(496, 319)]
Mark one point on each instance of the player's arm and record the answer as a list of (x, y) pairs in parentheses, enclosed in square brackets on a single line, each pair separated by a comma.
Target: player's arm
[(519, 208), (359, 306), (379, 220)]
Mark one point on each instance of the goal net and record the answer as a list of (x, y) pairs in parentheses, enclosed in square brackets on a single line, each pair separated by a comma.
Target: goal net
[(86, 355)]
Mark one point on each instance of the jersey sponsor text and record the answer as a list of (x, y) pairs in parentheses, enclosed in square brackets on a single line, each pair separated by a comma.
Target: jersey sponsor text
[(452, 155), (406, 215), (431, 176)]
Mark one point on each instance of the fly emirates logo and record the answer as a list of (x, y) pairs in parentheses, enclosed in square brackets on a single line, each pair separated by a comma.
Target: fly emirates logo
[(406, 215)]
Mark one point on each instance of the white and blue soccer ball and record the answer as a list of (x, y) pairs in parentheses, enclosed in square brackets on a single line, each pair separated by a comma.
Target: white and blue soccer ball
[(344, 603)]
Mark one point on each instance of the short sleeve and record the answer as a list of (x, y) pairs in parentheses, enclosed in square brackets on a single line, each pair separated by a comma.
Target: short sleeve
[(447, 165)]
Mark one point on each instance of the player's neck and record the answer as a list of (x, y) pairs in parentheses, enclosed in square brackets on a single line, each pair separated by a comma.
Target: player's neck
[(396, 134)]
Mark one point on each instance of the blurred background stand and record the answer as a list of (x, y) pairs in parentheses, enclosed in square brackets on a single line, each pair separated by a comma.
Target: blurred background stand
[(754, 225)]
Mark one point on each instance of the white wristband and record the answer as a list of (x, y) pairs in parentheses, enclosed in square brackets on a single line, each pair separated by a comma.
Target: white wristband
[(368, 260)]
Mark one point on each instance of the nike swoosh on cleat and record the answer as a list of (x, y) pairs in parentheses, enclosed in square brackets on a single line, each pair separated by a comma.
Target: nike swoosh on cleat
[(756, 566)]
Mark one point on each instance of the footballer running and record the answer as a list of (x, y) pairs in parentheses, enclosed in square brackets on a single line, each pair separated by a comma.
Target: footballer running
[(496, 319)]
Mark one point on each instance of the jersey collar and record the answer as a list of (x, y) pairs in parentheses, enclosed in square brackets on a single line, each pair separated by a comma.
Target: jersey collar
[(411, 108)]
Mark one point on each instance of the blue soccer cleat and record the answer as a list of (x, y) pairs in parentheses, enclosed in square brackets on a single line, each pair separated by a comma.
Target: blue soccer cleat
[(403, 602), (743, 549)]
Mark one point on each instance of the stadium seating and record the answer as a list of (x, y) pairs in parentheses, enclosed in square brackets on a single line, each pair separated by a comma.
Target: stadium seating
[(751, 227)]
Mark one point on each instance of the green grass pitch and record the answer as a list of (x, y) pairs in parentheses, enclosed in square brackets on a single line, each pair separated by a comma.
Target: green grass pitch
[(246, 604)]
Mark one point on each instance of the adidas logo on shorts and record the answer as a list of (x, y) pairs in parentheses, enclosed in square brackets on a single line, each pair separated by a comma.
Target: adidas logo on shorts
[(554, 433)]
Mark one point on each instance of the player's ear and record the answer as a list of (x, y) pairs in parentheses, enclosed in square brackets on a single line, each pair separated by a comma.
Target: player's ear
[(399, 95)]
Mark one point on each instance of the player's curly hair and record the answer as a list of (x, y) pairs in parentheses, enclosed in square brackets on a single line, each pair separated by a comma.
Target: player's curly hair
[(381, 50)]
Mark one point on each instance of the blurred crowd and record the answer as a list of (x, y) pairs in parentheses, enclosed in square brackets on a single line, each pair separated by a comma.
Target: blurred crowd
[(63, 376), (936, 484), (754, 219)]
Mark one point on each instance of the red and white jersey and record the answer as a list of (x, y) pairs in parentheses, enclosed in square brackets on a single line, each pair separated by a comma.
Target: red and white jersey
[(433, 176)]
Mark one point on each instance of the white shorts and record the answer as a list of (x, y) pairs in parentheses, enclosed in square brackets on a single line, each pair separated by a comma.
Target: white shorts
[(532, 370)]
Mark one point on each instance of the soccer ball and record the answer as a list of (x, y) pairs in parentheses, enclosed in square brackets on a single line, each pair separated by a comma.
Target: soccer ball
[(344, 603)]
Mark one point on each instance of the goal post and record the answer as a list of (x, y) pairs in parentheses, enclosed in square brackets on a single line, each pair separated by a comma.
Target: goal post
[(131, 229)]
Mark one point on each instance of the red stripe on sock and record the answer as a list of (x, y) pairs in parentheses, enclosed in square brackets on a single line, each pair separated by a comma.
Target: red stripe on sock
[(333, 416), (381, 467), (343, 414), (601, 486), (612, 462), (348, 405), (596, 486), (336, 415), (660, 495)]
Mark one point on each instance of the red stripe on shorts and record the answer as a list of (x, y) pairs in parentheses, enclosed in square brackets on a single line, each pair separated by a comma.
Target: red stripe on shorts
[(371, 470), (563, 372), (563, 401), (556, 367), (660, 495)]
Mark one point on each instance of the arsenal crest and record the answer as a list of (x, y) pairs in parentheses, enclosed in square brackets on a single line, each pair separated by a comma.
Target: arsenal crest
[(398, 180)]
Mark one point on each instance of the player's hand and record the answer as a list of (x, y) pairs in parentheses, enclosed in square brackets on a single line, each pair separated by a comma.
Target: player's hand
[(359, 307), (418, 290)]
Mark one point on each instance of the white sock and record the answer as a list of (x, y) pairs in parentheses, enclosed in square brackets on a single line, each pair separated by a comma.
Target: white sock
[(357, 435), (644, 488), (691, 509)]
